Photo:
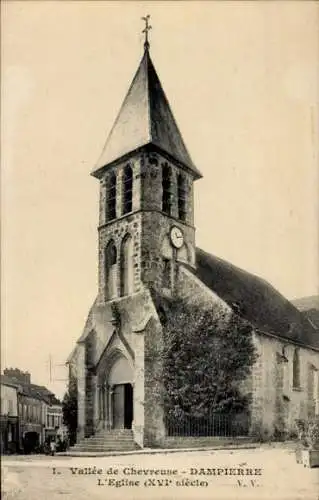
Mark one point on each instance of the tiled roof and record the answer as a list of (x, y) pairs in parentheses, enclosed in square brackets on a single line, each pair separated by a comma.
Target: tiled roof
[(5, 380), (31, 390), (47, 394), (255, 300), (145, 118)]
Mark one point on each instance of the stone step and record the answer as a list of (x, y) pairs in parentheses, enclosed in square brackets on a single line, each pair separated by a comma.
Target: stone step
[(106, 435), (98, 445), (107, 438), (114, 433), (108, 446), (111, 431), (104, 448), (114, 444)]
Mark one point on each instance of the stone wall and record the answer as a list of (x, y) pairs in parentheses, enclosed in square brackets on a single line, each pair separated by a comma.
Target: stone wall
[(151, 187), (154, 426), (139, 382), (276, 403), (141, 328), (117, 231), (155, 230), (190, 288), (147, 224), (135, 163)]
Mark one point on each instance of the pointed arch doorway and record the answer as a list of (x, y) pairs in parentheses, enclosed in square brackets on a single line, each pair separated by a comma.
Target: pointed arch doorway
[(116, 398)]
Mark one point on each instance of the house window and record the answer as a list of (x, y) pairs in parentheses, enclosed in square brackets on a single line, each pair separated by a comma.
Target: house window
[(167, 189), (127, 265), (111, 197), (296, 370), (313, 391), (127, 189), (10, 408), (111, 270), (182, 197)]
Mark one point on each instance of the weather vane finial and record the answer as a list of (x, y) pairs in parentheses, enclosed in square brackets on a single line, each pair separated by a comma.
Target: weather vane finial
[(146, 30)]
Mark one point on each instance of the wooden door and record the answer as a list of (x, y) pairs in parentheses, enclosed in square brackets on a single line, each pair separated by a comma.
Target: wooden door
[(128, 406), (118, 406)]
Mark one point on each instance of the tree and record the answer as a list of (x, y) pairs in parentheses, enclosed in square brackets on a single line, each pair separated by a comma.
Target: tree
[(70, 408), (206, 355)]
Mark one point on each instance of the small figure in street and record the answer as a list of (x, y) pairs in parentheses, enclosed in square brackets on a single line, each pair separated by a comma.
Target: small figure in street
[(52, 447)]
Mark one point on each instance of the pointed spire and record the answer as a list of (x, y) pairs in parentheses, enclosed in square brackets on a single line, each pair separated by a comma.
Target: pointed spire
[(145, 118)]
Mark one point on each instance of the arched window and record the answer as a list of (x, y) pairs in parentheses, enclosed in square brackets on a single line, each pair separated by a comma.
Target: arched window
[(182, 197), (111, 197), (167, 189), (110, 271), (127, 189), (127, 265), (296, 370)]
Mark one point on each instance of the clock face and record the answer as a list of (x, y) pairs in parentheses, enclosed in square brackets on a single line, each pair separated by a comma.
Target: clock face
[(177, 237)]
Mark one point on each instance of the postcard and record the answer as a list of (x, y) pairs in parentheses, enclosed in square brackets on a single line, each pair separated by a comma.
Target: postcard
[(160, 326)]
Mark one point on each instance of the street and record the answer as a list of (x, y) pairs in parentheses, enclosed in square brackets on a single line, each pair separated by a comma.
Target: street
[(263, 473)]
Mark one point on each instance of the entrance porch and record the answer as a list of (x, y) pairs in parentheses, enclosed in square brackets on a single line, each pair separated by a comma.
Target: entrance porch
[(116, 395)]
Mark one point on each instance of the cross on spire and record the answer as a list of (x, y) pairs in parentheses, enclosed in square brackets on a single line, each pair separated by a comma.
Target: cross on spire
[(146, 30)]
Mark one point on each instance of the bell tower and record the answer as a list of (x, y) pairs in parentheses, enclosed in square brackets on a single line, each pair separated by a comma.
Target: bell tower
[(146, 210)]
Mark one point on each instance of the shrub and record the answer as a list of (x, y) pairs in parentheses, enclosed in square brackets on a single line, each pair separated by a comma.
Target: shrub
[(206, 355), (308, 432)]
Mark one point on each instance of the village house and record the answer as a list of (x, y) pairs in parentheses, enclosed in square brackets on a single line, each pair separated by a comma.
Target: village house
[(37, 413), (54, 419), (147, 251), (9, 415)]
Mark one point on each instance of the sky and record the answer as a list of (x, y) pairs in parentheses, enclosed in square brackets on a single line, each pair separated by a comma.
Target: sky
[(242, 79)]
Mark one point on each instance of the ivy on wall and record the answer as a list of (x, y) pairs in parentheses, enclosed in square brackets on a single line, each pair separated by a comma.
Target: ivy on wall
[(205, 355)]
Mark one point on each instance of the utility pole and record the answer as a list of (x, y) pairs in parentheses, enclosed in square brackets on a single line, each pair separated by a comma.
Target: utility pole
[(51, 370), (50, 367)]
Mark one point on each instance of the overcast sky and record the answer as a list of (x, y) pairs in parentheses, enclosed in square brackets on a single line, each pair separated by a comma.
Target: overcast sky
[(242, 79)]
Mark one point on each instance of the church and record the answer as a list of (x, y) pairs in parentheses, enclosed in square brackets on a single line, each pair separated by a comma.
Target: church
[(147, 251)]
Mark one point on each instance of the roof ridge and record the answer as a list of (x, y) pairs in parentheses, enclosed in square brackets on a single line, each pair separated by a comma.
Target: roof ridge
[(258, 301), (148, 58)]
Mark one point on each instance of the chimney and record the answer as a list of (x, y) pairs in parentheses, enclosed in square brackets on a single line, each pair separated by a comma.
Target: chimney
[(21, 376)]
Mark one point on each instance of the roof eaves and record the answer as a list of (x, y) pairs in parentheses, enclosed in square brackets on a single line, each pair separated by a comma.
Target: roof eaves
[(286, 339)]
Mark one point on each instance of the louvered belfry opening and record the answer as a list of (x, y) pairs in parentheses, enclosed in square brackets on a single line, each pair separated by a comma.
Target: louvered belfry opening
[(111, 197), (167, 189), (182, 197), (127, 189)]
